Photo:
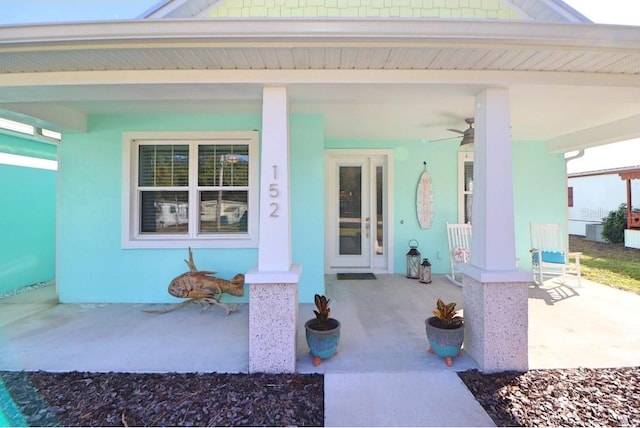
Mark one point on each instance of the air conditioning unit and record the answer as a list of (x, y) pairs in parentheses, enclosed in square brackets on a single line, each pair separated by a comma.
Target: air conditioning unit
[(594, 232)]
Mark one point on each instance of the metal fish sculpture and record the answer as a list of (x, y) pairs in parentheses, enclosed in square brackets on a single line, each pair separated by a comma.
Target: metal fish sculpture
[(200, 286)]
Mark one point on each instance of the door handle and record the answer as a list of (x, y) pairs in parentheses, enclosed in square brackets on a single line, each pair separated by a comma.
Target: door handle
[(367, 225)]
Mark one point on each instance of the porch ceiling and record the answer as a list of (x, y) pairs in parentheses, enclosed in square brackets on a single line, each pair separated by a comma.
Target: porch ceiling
[(573, 85)]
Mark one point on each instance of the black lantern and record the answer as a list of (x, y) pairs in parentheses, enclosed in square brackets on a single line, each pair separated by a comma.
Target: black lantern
[(413, 260), (425, 271)]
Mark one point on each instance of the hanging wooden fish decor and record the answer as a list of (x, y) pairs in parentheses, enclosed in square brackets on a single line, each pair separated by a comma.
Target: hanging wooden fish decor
[(424, 199)]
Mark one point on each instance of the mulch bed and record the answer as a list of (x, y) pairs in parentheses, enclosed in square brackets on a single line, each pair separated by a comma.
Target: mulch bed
[(131, 399), (567, 397)]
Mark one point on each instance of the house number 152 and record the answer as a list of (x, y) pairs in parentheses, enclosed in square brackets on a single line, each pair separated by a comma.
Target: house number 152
[(274, 193)]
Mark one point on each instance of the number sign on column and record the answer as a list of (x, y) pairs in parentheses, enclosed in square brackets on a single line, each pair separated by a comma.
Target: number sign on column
[(274, 193)]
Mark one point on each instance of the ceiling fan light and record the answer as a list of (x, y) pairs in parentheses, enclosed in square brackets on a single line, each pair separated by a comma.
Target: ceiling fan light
[(466, 140)]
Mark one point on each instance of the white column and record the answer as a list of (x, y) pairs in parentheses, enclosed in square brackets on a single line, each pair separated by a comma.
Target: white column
[(275, 230), (495, 291), (493, 246), (273, 285)]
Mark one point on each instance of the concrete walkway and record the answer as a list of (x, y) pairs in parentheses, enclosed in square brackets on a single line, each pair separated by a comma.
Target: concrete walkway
[(382, 374)]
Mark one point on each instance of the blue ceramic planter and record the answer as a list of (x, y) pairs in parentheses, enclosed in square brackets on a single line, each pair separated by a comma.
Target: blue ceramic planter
[(322, 343), (444, 343)]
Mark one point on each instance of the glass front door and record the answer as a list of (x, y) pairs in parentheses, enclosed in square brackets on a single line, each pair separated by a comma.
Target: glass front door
[(356, 208)]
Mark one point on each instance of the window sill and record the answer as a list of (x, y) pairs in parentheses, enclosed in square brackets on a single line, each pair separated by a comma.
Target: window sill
[(183, 242)]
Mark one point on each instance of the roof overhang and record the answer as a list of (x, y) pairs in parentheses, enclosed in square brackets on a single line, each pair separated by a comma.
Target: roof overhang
[(573, 85)]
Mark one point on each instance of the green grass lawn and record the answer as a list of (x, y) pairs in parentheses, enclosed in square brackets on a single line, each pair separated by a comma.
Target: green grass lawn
[(608, 264)]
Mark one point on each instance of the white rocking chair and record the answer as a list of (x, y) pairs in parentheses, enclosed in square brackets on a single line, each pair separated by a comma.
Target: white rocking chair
[(459, 236), (549, 254)]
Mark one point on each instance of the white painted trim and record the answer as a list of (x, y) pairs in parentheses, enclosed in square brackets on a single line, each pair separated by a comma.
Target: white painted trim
[(55, 117), (499, 78), (612, 132), (129, 237), (253, 31), (28, 161), (292, 276), (464, 156), (486, 276)]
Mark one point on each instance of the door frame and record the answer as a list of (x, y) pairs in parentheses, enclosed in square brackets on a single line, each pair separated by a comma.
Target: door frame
[(333, 155)]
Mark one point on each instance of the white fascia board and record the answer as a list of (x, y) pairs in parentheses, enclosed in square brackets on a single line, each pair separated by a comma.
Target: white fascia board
[(54, 117), (326, 32), (566, 11), (480, 78), (619, 130)]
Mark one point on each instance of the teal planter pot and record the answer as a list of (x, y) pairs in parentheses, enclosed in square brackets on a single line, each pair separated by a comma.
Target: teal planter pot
[(322, 343), (443, 342)]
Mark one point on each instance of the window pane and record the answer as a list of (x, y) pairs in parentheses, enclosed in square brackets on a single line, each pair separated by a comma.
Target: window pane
[(164, 212), (350, 211), (468, 176), (163, 165), (468, 207), (224, 212), (379, 211), (229, 162), (468, 188)]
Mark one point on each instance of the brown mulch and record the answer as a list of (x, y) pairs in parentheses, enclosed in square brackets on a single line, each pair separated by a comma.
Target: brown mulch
[(133, 399), (568, 397)]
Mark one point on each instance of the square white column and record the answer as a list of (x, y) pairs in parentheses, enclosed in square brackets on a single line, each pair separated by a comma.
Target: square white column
[(495, 290), (273, 286)]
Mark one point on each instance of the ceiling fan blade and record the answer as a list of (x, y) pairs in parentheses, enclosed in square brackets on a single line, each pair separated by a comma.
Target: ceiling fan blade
[(442, 139), (456, 130)]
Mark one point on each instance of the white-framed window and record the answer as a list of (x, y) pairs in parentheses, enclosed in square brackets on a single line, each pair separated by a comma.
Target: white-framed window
[(197, 189), (465, 186)]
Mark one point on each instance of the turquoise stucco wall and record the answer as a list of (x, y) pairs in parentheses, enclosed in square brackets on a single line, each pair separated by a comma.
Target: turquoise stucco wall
[(94, 268), (307, 202), (537, 197), (28, 218), (540, 193)]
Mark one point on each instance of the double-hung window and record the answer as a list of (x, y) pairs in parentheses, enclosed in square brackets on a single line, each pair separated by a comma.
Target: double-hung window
[(190, 189)]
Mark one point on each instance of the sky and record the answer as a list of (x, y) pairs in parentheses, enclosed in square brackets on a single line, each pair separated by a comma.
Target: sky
[(625, 12), (31, 11), (621, 12)]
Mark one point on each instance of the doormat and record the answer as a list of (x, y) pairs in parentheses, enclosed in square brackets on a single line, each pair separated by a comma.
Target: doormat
[(356, 275)]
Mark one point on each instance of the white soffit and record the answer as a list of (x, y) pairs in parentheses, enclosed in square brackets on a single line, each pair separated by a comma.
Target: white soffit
[(310, 44), (198, 64)]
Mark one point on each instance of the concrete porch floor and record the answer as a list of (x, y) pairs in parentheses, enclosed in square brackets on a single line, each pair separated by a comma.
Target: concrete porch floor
[(382, 330), (382, 368)]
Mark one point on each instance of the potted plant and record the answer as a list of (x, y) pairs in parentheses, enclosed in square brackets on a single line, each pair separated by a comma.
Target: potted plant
[(322, 332), (445, 331)]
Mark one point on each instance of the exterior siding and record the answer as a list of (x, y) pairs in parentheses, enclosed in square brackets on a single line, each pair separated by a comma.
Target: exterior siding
[(448, 9), (594, 196), (28, 219)]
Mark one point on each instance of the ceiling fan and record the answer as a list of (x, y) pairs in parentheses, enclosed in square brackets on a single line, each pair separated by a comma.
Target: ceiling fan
[(467, 134)]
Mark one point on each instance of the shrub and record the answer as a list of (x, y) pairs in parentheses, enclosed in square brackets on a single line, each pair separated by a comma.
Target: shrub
[(615, 224)]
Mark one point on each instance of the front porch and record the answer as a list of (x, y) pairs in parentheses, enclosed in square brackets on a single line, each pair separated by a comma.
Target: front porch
[(382, 331)]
